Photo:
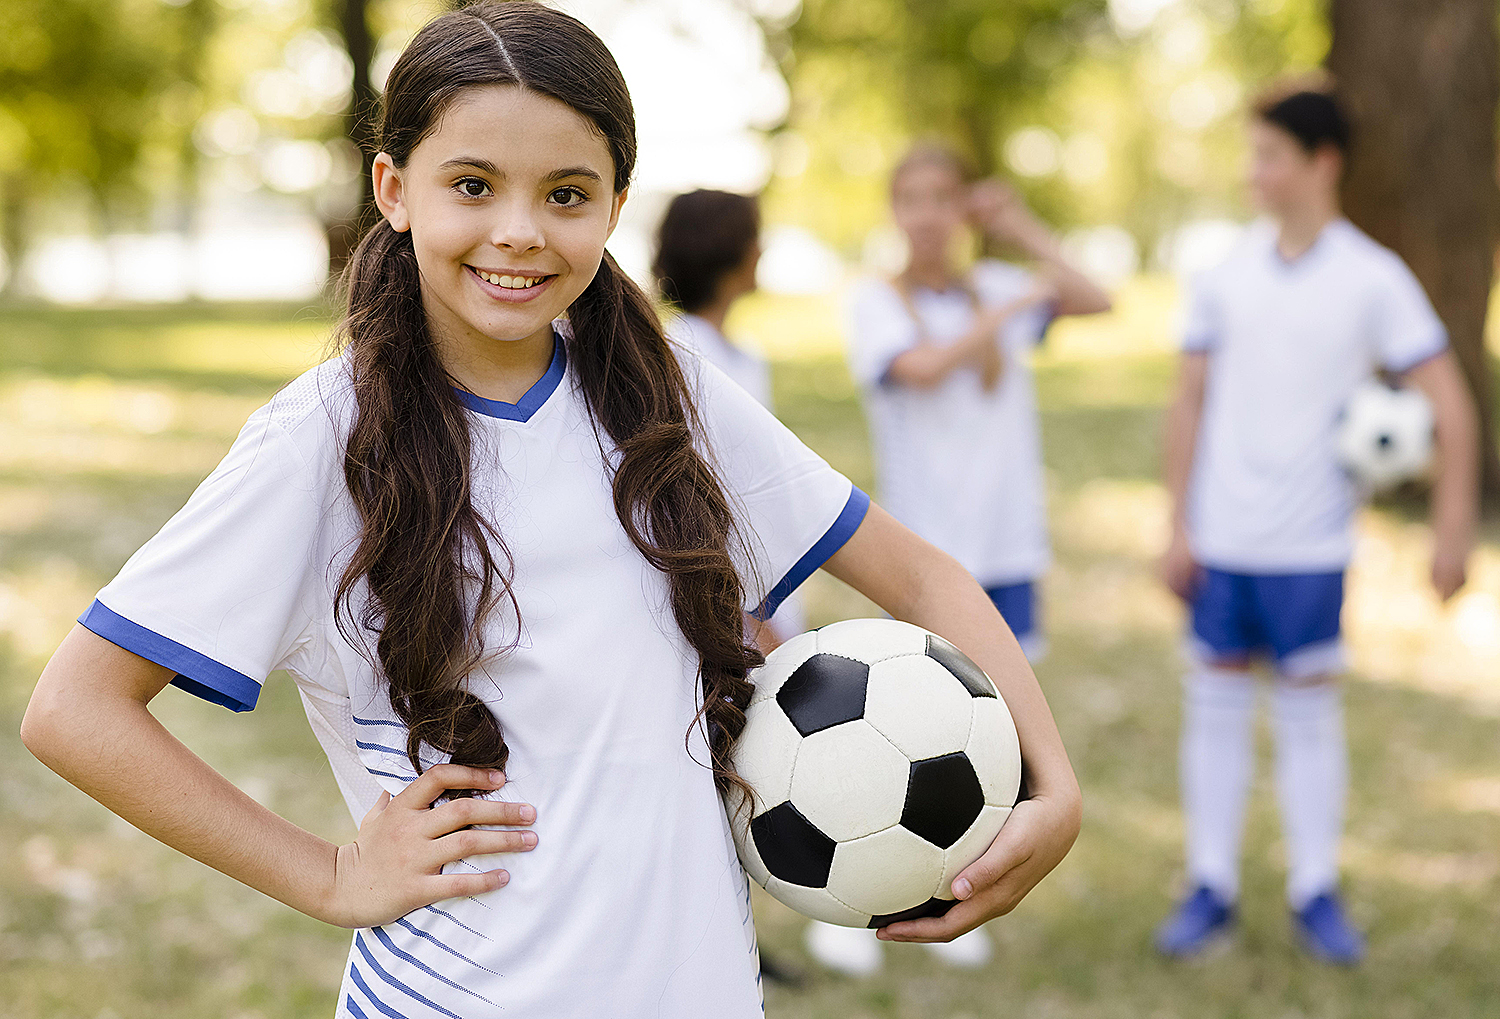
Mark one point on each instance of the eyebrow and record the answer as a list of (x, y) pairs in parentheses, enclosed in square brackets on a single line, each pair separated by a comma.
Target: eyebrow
[(485, 166)]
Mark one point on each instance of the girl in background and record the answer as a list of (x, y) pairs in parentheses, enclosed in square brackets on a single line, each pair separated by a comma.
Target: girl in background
[(707, 250), (942, 354), (506, 558)]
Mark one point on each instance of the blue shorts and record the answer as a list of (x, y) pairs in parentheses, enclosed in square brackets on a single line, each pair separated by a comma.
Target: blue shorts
[(1017, 605), (1291, 617)]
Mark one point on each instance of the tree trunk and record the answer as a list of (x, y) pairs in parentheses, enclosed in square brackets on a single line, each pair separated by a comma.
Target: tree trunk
[(1422, 79), (352, 20)]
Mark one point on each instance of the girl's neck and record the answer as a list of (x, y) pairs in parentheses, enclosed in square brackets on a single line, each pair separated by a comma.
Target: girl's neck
[(936, 276), (500, 370)]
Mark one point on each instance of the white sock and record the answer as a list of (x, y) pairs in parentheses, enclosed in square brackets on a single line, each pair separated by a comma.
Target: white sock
[(1312, 778), (1217, 762)]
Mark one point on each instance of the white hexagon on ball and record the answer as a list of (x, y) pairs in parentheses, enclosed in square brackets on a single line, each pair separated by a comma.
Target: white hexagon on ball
[(767, 753), (871, 640), (957, 857), (919, 706), (849, 781), (886, 872), (995, 752)]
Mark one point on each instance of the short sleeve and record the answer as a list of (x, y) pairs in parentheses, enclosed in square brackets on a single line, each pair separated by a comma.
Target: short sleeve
[(225, 591), (1202, 319), (880, 330), (1407, 329), (794, 511)]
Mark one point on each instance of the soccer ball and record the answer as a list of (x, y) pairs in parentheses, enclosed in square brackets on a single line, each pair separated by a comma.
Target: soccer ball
[(883, 762), (1385, 436)]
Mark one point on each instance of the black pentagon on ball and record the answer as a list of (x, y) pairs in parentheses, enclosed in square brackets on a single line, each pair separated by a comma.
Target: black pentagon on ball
[(791, 846), (961, 665), (932, 907), (824, 691), (943, 797)]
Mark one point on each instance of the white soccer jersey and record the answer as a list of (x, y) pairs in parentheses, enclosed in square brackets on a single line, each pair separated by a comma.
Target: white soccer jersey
[(753, 374), (960, 466), (1288, 343), (633, 902)]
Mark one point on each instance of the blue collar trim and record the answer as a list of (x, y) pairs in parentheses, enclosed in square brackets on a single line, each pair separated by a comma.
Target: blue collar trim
[(531, 401)]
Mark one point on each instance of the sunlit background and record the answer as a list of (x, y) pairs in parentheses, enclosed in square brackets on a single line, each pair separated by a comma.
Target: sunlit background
[(175, 176)]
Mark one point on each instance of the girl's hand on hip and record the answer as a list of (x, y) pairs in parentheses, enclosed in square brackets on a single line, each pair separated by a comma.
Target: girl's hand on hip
[(394, 865)]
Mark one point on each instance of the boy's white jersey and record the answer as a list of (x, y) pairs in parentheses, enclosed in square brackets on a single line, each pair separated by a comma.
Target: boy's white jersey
[(633, 902), (1288, 343), (957, 464)]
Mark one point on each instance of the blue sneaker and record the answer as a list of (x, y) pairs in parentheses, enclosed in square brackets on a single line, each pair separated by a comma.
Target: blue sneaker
[(1201, 920), (1326, 933)]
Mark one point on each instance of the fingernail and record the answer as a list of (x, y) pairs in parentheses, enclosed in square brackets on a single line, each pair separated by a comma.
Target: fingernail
[(528, 838), (962, 888), (497, 777), (528, 813), (505, 877)]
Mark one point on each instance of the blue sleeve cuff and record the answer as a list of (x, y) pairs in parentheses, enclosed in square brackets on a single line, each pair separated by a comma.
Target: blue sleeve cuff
[(196, 673), (1434, 349), (833, 539)]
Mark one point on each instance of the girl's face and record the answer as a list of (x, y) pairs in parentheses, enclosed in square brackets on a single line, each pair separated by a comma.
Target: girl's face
[(509, 202), (930, 203)]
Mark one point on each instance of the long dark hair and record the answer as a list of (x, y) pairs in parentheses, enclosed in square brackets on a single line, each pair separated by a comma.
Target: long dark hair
[(435, 570)]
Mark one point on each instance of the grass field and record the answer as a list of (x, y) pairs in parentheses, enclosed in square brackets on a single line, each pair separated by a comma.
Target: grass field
[(108, 420)]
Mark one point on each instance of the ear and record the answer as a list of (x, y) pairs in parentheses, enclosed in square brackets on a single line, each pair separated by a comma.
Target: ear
[(388, 194), (614, 212)]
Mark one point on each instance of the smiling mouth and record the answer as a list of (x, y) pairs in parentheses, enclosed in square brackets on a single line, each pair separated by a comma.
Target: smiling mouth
[(509, 281)]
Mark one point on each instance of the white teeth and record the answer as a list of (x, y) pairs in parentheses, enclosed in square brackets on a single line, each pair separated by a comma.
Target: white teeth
[(509, 282)]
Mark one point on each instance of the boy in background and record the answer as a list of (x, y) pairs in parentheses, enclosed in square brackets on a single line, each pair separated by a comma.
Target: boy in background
[(1277, 339)]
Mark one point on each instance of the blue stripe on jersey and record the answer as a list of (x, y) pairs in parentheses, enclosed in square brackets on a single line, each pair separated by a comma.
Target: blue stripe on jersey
[(353, 1008), (376, 746), (456, 920), (387, 774), (377, 721), (364, 950), (531, 401), (385, 939), (384, 1009), (419, 932), (849, 519), (196, 672)]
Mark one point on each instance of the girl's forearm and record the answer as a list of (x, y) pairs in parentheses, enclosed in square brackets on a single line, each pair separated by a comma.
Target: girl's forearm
[(110, 745), (919, 584)]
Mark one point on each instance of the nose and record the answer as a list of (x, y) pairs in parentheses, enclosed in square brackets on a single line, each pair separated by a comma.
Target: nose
[(516, 228)]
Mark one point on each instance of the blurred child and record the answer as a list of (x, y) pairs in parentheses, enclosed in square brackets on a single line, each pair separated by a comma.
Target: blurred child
[(942, 354), (707, 251), (1277, 339)]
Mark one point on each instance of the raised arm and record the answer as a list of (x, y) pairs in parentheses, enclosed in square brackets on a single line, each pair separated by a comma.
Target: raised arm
[(916, 582), (1177, 568), (1004, 217), (1455, 493), (89, 721)]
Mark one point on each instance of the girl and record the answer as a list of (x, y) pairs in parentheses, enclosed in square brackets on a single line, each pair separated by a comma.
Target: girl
[(506, 563), (942, 355), (707, 251)]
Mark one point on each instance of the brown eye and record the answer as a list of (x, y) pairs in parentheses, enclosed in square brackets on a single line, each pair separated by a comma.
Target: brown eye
[(568, 197), (472, 187)]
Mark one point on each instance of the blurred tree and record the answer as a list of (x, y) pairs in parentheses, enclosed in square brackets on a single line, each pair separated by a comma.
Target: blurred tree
[(865, 73), (1423, 80), (352, 20), (85, 87)]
